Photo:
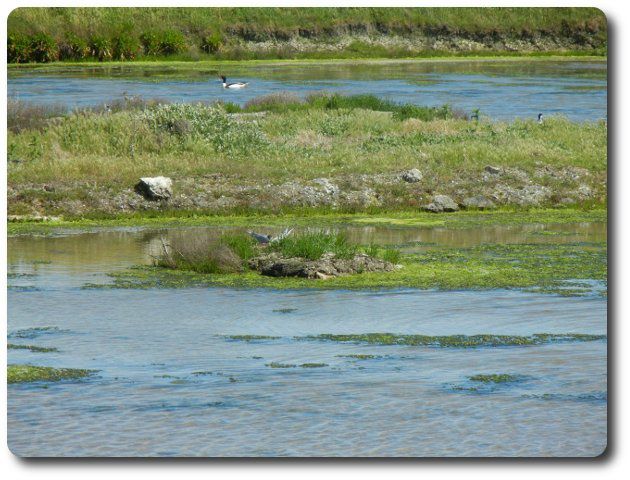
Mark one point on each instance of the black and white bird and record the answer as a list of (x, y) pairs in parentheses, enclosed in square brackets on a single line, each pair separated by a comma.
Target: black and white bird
[(233, 85), (540, 119), (265, 239)]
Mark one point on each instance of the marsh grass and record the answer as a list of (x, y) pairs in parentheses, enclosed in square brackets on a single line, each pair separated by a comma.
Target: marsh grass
[(227, 254), (31, 116), (312, 245)]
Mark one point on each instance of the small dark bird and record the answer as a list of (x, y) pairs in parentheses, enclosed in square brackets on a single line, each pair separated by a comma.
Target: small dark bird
[(540, 118), (232, 85)]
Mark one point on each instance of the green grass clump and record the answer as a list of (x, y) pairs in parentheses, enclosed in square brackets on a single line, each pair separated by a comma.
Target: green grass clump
[(30, 373), (32, 348), (456, 341), (226, 254), (494, 378), (312, 245)]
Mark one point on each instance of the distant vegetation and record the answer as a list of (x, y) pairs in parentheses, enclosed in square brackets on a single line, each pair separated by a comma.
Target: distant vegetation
[(104, 34)]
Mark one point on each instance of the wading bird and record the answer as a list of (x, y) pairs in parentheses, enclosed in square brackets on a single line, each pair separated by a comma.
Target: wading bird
[(232, 85), (265, 239), (540, 119)]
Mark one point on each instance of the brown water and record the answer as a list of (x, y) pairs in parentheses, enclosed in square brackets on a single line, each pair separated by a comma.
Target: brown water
[(150, 345)]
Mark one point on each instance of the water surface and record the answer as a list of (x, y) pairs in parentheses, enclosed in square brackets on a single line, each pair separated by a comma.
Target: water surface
[(172, 382), (500, 89)]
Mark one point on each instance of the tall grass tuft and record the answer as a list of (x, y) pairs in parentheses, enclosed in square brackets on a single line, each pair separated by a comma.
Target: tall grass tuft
[(226, 254), (29, 116), (312, 245)]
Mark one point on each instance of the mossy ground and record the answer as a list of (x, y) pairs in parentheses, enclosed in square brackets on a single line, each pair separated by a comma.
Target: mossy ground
[(31, 373)]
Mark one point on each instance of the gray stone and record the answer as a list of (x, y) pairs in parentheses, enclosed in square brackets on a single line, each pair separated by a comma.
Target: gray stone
[(328, 187), (273, 265), (441, 203), (412, 176), (155, 188), (478, 201)]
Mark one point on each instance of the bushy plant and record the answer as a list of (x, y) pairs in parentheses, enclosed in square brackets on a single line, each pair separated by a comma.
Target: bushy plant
[(209, 122), (18, 48), (43, 48), (150, 42), (125, 46), (212, 43), (172, 41), (101, 48), (73, 48)]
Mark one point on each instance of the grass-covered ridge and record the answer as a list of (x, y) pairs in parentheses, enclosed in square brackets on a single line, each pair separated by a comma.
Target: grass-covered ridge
[(86, 163), (49, 34)]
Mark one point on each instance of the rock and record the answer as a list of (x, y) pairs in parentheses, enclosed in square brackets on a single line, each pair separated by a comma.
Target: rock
[(441, 203), (327, 266), (412, 176), (584, 191), (329, 188), (493, 170), (478, 201), (155, 188)]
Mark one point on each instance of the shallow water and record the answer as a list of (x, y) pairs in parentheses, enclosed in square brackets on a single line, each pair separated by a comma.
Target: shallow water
[(172, 383), (500, 89)]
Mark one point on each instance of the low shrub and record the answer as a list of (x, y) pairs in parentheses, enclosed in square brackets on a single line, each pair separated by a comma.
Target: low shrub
[(125, 46), (43, 48), (18, 48), (73, 48), (100, 48), (212, 43)]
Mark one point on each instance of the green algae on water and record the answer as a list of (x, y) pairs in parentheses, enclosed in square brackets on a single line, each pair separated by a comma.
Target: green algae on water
[(494, 378), (30, 333), (31, 373), (360, 356), (313, 365), (280, 365), (32, 348), (455, 341), (251, 338)]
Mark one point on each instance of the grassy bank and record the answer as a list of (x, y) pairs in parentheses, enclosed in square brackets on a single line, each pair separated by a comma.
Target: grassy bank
[(50, 34), (282, 154)]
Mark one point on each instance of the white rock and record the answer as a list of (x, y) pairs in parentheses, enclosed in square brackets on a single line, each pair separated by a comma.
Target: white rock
[(155, 188)]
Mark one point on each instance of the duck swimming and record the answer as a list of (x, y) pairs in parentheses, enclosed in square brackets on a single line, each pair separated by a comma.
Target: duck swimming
[(233, 85)]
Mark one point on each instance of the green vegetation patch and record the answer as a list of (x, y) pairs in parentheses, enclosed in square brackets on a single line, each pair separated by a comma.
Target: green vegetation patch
[(313, 365), (251, 338), (456, 341), (494, 378), (34, 332), (544, 268), (32, 348), (280, 365), (360, 356), (31, 373)]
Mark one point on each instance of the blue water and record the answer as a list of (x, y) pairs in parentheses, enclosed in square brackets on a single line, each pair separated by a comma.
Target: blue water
[(171, 382), (501, 90)]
